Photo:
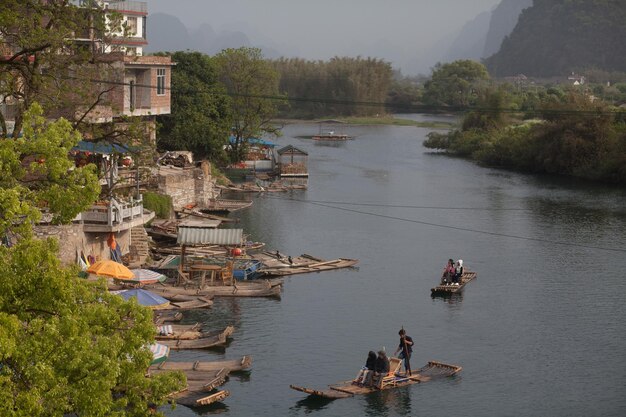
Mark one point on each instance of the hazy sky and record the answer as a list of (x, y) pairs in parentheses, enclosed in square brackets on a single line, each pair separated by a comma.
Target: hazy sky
[(401, 31)]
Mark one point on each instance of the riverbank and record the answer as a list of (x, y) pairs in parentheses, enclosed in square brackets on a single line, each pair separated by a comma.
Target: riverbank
[(374, 121)]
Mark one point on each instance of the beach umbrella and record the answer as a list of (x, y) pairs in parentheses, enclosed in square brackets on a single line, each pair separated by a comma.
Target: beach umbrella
[(145, 298), (145, 276), (159, 353), (111, 269)]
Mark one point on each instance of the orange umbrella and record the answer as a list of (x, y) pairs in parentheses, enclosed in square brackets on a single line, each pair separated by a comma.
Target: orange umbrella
[(110, 269)]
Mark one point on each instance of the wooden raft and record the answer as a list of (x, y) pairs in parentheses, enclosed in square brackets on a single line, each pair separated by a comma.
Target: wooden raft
[(207, 340), (431, 370), (448, 289)]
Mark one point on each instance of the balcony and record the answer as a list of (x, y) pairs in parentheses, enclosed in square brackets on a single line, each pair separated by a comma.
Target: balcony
[(114, 216)]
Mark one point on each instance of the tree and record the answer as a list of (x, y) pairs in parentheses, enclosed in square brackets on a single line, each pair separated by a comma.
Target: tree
[(455, 83), (36, 174), (66, 344), (200, 118), (253, 85)]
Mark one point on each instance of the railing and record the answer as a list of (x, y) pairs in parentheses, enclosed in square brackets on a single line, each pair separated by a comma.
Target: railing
[(112, 213)]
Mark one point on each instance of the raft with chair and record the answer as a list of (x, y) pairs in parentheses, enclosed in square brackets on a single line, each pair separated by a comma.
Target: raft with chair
[(208, 340), (449, 288), (394, 379)]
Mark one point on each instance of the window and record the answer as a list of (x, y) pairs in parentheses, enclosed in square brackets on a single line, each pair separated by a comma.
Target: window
[(131, 26), (133, 95), (160, 81)]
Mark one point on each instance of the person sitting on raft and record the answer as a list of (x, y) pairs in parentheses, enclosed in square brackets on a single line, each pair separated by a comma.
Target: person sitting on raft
[(365, 374), (381, 369), (458, 272), (448, 273)]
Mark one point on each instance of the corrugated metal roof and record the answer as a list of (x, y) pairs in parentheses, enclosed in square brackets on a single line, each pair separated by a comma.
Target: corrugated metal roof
[(207, 236)]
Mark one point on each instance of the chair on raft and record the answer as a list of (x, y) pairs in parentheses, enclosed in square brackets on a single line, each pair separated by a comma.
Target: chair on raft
[(391, 379)]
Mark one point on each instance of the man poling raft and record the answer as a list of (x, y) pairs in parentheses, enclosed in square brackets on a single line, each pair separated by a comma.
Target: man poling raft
[(393, 377)]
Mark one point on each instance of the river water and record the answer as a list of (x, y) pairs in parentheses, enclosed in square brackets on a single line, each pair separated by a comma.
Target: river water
[(540, 332)]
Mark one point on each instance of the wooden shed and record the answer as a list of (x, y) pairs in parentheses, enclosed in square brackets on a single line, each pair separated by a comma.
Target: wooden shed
[(292, 162)]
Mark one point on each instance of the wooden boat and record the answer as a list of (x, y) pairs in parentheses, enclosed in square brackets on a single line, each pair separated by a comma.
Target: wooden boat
[(218, 205), (234, 365), (395, 379), (449, 289), (200, 385), (330, 136), (167, 316), (279, 265), (257, 288), (180, 332), (199, 302), (209, 339), (191, 398)]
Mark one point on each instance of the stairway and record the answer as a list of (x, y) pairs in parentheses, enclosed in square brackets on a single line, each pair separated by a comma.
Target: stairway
[(138, 249)]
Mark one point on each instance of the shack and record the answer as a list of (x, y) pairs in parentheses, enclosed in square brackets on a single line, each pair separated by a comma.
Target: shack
[(292, 162)]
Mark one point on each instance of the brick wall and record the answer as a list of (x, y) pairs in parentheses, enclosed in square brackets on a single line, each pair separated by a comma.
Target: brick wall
[(187, 185)]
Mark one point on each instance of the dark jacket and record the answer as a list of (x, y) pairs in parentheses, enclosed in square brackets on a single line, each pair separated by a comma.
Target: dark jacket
[(371, 362), (382, 365)]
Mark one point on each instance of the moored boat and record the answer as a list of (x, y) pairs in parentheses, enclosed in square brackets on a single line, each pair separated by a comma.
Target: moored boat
[(210, 339), (233, 365)]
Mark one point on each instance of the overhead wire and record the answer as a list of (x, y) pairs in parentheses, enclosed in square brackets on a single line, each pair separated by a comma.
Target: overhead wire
[(458, 228)]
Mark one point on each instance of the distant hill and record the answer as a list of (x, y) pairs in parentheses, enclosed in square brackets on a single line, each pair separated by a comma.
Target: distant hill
[(482, 36), (168, 33), (504, 17), (470, 41), (557, 37)]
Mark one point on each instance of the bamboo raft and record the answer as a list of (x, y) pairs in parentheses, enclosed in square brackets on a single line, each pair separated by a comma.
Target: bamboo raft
[(279, 265), (219, 205), (449, 289), (430, 371), (210, 339), (233, 365)]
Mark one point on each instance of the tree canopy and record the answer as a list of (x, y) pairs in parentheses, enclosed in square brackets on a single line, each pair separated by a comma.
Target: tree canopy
[(200, 118), (252, 84), (455, 83)]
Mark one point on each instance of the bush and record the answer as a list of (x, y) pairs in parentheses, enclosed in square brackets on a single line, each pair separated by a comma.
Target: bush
[(159, 203)]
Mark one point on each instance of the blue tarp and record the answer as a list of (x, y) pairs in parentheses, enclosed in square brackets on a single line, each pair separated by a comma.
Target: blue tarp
[(100, 147), (145, 298), (254, 141)]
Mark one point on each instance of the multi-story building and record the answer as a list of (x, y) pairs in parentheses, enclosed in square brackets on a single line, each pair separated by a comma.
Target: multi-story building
[(137, 90)]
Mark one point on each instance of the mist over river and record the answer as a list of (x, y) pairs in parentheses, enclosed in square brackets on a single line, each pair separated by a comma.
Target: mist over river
[(540, 332)]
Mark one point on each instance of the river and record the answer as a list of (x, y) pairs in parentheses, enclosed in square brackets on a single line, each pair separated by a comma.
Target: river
[(540, 332)]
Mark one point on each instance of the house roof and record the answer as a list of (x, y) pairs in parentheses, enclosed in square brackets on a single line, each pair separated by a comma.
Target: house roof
[(291, 149)]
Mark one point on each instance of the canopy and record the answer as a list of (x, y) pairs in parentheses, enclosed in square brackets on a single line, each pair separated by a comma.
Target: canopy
[(145, 276), (145, 298), (159, 353), (110, 268), (104, 148), (254, 141)]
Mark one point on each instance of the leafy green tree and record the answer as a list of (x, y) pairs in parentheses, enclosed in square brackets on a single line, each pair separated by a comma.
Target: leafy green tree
[(252, 83), (200, 118), (36, 173), (66, 345), (455, 84)]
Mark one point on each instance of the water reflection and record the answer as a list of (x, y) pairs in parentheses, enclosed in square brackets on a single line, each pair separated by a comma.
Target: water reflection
[(215, 408), (451, 299), (382, 403), (311, 404)]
